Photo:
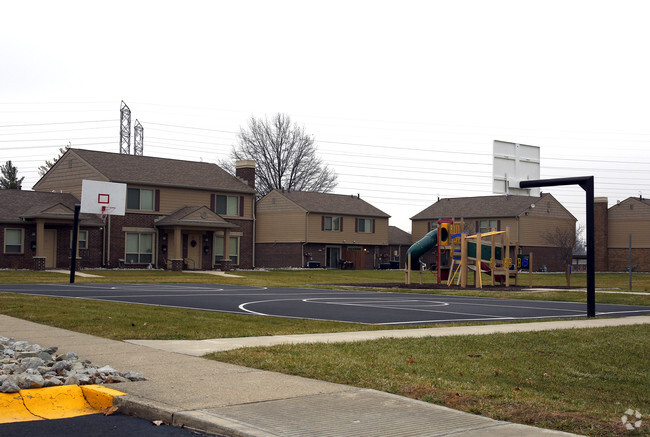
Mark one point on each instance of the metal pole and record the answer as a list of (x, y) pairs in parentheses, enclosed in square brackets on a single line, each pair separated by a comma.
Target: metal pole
[(75, 236), (587, 184)]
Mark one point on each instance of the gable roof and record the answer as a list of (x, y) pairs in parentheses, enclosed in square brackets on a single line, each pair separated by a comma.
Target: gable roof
[(197, 216), (18, 206), (147, 170), (629, 200), (483, 206), (332, 203), (396, 236)]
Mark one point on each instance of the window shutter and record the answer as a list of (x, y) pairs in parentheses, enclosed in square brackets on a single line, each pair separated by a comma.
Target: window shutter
[(241, 206), (157, 201), (428, 226), (356, 224), (341, 224), (322, 223), (373, 226), (478, 226), (213, 203), (498, 225)]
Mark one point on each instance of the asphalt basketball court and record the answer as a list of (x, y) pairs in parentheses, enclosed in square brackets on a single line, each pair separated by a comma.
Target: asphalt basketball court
[(354, 306)]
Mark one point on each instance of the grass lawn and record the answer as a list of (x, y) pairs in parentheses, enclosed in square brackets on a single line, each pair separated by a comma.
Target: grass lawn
[(579, 381)]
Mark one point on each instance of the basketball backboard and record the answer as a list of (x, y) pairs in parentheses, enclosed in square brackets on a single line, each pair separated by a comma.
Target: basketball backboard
[(513, 163), (105, 198)]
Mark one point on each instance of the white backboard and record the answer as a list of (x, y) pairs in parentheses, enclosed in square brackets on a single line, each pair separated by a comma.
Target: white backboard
[(513, 163), (105, 198)]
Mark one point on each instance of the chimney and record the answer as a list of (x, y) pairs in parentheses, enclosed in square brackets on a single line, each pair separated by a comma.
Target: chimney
[(245, 169)]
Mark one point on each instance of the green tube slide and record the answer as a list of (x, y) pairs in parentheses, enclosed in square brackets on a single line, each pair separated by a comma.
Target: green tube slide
[(420, 247)]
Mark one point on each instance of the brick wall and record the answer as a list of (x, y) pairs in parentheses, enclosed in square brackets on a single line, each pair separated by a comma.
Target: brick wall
[(601, 234), (278, 255), (18, 261), (619, 260), (117, 238)]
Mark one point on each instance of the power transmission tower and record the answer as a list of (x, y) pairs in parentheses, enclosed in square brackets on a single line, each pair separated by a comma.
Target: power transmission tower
[(125, 129), (138, 138)]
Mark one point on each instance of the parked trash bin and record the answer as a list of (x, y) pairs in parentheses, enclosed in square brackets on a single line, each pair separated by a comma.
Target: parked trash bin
[(394, 265), (313, 264)]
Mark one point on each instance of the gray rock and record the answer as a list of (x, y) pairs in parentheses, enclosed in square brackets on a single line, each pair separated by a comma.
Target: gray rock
[(9, 386), (52, 382), (34, 381), (134, 376)]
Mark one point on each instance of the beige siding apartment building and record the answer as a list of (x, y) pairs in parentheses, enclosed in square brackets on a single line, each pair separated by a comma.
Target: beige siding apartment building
[(304, 229), (624, 224), (179, 214), (532, 220)]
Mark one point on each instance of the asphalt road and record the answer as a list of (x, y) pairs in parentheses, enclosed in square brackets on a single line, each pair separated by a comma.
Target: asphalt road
[(338, 305), (96, 425)]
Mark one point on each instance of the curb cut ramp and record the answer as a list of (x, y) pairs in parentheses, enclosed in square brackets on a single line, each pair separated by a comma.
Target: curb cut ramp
[(55, 402)]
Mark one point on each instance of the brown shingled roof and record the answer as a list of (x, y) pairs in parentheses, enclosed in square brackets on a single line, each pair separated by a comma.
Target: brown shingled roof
[(396, 236), (484, 206), (147, 170), (18, 205), (332, 203)]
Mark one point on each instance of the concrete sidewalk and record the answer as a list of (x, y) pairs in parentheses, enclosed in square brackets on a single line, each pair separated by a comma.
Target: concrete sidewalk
[(199, 348), (237, 401)]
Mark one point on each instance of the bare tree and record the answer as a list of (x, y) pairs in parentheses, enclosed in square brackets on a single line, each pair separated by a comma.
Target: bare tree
[(9, 179), (564, 239), (284, 154), (49, 164)]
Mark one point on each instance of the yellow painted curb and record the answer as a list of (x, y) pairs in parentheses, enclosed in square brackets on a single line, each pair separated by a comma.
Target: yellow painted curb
[(100, 397), (55, 402), (12, 409)]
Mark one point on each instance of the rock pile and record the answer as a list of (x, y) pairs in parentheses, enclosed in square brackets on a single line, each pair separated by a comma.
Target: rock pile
[(25, 366)]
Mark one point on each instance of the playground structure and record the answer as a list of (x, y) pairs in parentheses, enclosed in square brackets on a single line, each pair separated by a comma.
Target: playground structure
[(457, 253)]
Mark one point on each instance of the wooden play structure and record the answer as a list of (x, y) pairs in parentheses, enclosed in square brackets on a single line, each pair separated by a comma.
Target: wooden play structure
[(458, 253)]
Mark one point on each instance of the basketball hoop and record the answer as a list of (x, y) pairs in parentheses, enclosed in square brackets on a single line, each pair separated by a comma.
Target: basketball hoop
[(106, 211)]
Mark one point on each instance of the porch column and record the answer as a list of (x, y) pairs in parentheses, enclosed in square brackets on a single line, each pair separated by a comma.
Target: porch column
[(40, 238), (225, 261), (39, 257), (176, 250)]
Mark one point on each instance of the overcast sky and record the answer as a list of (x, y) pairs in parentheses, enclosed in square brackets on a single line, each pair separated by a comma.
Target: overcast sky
[(404, 98)]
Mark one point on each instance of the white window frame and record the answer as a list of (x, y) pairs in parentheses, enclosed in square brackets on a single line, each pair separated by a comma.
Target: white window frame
[(139, 253), (218, 249), (140, 190), (22, 241), (80, 240), (487, 225), (367, 225), (232, 205), (334, 223)]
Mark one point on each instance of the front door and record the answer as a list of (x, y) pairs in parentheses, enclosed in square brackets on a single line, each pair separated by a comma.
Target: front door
[(50, 248), (193, 260)]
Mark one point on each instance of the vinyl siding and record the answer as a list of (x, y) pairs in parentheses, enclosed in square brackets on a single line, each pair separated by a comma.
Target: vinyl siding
[(629, 217), (419, 229), (280, 226), (532, 229), (67, 174), (348, 235), (276, 202)]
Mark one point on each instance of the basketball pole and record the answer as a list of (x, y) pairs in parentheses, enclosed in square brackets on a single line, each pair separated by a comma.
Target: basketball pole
[(75, 236), (587, 184)]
